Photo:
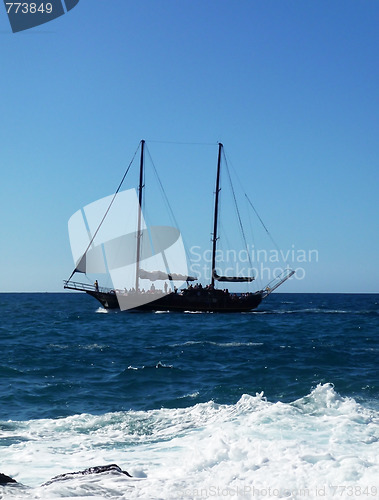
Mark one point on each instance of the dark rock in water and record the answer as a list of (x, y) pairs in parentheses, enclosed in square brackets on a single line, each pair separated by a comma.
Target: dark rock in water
[(92, 470), (62, 477), (6, 479)]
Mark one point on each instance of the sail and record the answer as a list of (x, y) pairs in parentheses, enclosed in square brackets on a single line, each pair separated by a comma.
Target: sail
[(91, 262), (233, 279), (160, 275)]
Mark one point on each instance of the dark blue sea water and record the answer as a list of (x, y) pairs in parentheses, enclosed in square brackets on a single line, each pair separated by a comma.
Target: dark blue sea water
[(77, 382), (60, 355)]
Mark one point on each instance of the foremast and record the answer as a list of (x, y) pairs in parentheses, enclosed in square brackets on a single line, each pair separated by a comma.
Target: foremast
[(140, 198)]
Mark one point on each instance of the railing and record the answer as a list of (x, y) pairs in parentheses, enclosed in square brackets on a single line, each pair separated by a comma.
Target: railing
[(84, 287)]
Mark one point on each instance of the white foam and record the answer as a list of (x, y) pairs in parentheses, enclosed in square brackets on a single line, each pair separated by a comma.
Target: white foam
[(220, 344), (102, 310), (317, 445)]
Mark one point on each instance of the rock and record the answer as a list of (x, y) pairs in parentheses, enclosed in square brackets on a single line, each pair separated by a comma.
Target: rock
[(6, 479), (92, 470), (63, 477)]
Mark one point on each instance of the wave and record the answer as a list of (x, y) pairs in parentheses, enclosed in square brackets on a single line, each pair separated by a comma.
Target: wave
[(220, 344), (7, 371), (198, 312), (310, 444), (312, 311), (102, 310), (85, 347), (151, 367)]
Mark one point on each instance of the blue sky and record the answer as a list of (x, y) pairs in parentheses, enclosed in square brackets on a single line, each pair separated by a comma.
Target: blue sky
[(290, 87)]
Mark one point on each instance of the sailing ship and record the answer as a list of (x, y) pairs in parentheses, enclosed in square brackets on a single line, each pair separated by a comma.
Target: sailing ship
[(136, 252)]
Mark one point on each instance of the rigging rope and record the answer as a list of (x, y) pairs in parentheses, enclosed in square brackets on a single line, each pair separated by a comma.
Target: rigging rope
[(171, 212), (259, 218), (267, 231), (238, 212), (183, 143)]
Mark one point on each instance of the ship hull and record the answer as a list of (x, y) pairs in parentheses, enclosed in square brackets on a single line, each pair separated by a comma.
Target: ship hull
[(193, 301)]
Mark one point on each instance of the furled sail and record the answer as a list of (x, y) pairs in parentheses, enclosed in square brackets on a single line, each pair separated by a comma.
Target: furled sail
[(160, 275), (233, 279)]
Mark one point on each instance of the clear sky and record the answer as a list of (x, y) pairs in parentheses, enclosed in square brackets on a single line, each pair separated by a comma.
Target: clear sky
[(289, 86)]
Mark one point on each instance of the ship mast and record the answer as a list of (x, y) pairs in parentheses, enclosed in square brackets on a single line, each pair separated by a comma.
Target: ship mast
[(215, 219), (140, 193)]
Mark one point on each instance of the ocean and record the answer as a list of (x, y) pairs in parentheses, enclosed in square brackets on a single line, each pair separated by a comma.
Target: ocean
[(282, 402)]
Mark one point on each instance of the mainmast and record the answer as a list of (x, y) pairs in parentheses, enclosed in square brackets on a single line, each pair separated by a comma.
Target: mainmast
[(139, 234), (215, 219)]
